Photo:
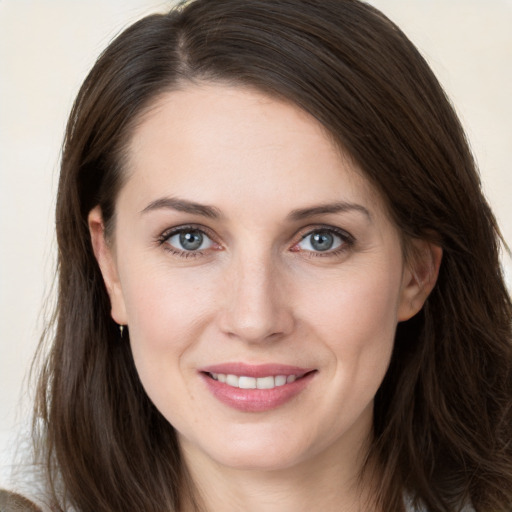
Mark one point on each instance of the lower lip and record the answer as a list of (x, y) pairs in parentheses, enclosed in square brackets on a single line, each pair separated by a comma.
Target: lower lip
[(256, 400)]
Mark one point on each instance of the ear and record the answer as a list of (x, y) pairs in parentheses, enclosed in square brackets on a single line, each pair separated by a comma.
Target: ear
[(420, 276), (106, 260)]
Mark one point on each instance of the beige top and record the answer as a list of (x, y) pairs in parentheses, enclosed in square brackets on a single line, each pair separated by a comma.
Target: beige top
[(12, 502)]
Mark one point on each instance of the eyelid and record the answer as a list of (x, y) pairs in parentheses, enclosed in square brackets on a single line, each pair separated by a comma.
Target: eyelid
[(184, 227), (175, 230)]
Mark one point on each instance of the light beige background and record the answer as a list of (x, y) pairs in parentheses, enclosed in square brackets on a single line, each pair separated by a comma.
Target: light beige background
[(46, 49)]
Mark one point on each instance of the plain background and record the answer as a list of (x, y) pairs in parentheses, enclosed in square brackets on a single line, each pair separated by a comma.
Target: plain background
[(46, 49)]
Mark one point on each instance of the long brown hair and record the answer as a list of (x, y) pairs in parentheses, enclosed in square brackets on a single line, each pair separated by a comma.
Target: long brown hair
[(443, 415)]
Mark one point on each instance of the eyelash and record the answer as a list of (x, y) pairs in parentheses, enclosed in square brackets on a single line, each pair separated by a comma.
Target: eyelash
[(163, 240), (347, 241)]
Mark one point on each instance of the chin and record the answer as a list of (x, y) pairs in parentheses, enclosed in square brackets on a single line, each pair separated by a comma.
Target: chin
[(257, 460), (262, 451)]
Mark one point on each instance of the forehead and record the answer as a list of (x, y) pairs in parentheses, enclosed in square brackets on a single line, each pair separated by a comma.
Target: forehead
[(214, 140)]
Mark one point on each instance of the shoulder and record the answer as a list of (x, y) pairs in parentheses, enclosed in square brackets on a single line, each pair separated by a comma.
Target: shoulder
[(12, 502)]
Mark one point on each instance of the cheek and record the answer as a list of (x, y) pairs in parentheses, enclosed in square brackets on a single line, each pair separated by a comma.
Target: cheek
[(166, 313), (356, 302), (356, 318)]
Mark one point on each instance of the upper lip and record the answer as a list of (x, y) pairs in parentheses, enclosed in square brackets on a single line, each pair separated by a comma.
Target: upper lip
[(256, 370)]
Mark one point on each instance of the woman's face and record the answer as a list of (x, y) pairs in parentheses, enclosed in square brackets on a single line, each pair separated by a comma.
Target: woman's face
[(259, 276)]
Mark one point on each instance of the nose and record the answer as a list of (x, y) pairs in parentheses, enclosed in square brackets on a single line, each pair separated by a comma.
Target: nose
[(256, 308)]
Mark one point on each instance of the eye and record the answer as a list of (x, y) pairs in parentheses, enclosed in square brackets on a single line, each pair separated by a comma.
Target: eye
[(189, 240), (325, 240)]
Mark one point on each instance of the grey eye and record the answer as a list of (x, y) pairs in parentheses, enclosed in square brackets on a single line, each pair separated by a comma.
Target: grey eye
[(190, 240), (320, 241)]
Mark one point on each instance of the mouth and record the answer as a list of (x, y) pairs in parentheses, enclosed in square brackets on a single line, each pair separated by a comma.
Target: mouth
[(248, 382), (256, 388)]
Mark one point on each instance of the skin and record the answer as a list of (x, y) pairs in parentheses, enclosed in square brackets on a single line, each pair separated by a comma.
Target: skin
[(258, 292)]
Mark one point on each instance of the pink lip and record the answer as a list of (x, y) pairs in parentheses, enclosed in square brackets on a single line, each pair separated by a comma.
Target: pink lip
[(256, 370), (256, 400)]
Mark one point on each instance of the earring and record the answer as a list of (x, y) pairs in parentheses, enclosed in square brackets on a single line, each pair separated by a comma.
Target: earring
[(121, 330)]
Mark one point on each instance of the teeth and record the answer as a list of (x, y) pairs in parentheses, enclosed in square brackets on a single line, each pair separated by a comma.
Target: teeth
[(244, 382), (232, 380), (247, 383), (265, 383), (280, 380)]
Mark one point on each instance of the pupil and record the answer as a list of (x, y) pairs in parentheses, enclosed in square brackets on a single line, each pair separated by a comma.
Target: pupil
[(191, 240), (322, 241)]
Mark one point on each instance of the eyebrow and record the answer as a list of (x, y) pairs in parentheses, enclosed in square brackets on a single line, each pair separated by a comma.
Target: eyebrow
[(186, 206), (183, 205), (338, 207)]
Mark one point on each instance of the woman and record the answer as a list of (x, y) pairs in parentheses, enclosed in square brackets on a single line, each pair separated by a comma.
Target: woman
[(279, 282)]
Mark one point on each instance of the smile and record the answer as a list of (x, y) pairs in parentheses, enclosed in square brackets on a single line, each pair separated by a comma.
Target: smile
[(246, 382), (256, 388)]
